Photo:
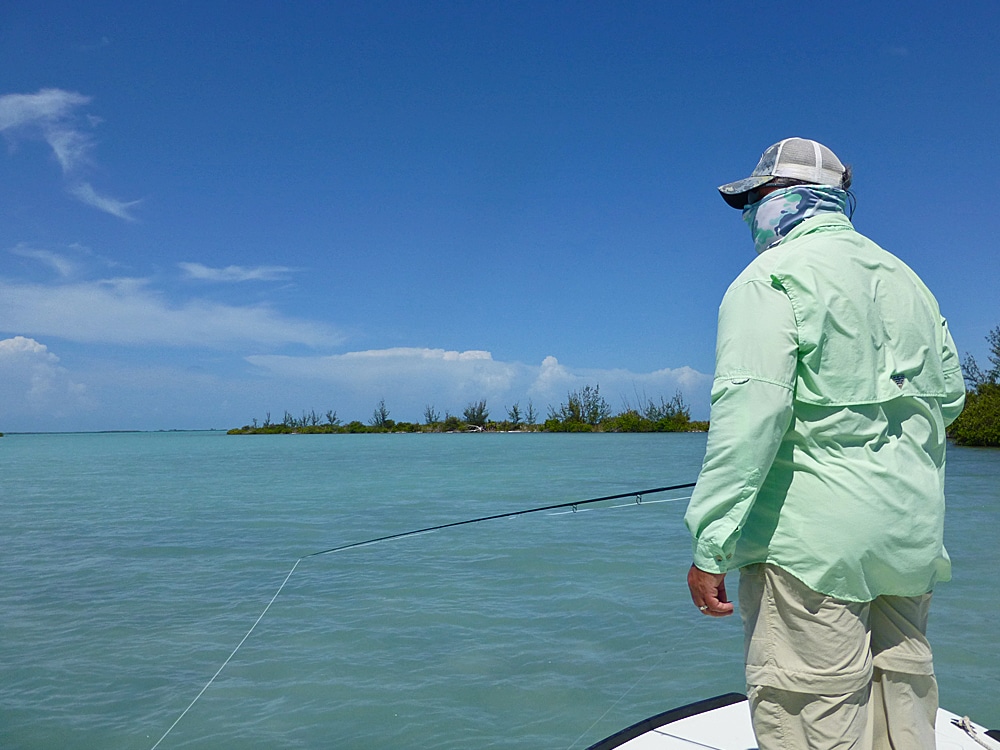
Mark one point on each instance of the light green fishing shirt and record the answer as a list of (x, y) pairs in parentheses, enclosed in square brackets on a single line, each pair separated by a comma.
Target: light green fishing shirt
[(835, 379)]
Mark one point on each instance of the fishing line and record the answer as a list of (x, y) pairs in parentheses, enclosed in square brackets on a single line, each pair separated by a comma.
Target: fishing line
[(621, 697), (637, 496), (230, 658), (625, 505)]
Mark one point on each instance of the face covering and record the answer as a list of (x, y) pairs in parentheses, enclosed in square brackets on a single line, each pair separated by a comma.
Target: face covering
[(772, 217)]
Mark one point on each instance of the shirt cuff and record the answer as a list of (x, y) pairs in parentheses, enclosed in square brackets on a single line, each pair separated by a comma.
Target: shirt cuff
[(711, 558)]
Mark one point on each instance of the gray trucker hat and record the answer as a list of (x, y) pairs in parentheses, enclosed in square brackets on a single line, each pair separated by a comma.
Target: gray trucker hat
[(794, 158)]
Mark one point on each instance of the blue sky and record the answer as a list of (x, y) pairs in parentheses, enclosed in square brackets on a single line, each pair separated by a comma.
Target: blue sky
[(212, 211)]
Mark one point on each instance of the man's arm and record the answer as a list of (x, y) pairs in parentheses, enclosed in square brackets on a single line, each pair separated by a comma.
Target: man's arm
[(756, 358)]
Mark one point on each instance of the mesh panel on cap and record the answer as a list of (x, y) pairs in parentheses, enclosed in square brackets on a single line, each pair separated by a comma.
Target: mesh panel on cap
[(798, 151), (830, 160)]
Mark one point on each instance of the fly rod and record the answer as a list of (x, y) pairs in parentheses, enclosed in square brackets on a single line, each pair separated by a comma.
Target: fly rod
[(573, 505)]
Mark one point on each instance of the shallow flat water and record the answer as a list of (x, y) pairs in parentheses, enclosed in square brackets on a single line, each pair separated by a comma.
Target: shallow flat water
[(133, 564)]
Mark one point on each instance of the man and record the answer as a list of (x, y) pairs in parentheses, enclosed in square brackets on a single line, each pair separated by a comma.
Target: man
[(823, 479)]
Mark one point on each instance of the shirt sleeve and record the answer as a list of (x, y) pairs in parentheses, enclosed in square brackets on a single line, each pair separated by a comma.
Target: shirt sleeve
[(752, 397), (954, 402)]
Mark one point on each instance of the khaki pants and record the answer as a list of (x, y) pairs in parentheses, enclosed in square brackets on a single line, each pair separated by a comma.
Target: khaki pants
[(826, 674)]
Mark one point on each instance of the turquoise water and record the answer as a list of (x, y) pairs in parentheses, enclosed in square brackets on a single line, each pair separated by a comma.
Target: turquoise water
[(133, 565)]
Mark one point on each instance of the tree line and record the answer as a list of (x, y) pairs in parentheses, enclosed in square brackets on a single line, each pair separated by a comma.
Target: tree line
[(584, 410), (979, 422)]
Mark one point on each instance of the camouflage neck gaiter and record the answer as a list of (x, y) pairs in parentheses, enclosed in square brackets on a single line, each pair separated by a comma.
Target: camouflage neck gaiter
[(774, 216)]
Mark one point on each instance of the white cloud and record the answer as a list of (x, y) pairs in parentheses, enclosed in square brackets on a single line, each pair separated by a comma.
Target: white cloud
[(58, 263), (235, 273), (552, 376), (33, 383), (127, 311), (52, 113), (403, 372), (47, 106), (410, 378), (85, 192)]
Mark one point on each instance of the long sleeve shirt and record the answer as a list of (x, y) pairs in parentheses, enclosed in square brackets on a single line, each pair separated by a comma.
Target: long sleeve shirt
[(835, 379)]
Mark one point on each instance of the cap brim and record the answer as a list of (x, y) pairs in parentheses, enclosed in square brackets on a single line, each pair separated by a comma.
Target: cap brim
[(735, 193)]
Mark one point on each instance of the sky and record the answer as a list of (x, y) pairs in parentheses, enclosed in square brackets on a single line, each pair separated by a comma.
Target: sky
[(213, 212)]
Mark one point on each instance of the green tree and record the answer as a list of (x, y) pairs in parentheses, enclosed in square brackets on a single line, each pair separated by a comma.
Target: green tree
[(975, 377), (629, 421), (668, 416), (476, 413), (586, 406), (380, 417), (979, 422)]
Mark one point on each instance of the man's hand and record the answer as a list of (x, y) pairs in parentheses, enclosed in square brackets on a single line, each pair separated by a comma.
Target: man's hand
[(708, 592)]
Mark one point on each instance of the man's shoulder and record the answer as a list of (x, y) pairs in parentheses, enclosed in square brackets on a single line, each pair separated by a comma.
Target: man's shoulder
[(836, 247), (761, 268), (822, 246)]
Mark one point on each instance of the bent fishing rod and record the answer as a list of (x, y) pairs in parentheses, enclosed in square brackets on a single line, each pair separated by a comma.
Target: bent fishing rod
[(513, 514), (572, 505)]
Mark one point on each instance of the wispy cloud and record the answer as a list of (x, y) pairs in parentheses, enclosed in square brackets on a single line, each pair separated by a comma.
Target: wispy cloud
[(53, 114), (235, 273), (58, 263), (129, 311), (50, 112), (86, 194)]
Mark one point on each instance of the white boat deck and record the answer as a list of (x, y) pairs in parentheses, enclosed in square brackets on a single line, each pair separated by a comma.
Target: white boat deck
[(723, 723)]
